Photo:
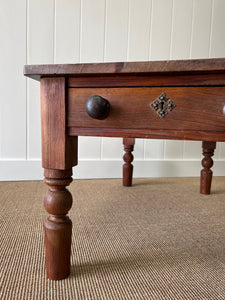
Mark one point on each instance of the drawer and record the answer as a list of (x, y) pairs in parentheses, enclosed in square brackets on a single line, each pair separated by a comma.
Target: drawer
[(190, 108)]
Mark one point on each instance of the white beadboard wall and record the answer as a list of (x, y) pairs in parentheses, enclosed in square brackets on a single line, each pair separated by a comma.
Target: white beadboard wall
[(72, 31)]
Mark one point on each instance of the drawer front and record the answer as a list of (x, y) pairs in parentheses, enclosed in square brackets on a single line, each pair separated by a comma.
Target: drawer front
[(191, 108)]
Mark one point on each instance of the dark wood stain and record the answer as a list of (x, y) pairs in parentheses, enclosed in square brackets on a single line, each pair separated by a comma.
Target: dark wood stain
[(130, 108), (199, 66), (197, 87)]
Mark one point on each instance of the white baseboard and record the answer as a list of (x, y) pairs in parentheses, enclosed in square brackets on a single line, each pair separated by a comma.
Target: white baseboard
[(16, 170)]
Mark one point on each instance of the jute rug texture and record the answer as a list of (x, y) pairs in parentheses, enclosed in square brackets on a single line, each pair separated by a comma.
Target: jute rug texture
[(160, 239)]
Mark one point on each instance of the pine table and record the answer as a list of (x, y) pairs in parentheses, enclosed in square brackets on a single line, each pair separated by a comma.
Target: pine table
[(180, 100)]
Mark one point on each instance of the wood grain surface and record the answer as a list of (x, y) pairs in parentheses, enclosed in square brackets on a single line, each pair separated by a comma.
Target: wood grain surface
[(59, 151), (150, 80), (197, 109), (149, 67)]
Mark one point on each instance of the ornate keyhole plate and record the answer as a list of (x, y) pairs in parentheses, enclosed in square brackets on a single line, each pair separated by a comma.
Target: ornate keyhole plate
[(162, 105)]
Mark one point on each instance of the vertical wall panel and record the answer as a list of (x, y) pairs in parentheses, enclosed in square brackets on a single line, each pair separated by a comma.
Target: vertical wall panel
[(154, 149), (89, 148), (67, 31), (40, 31), (217, 48), (173, 149), (139, 30), (192, 150), (112, 148), (92, 30), (220, 150), (161, 24), (138, 45), (40, 51), (33, 120), (116, 40), (180, 49), (68, 49), (181, 29), (139, 149), (92, 39), (12, 82), (218, 29), (201, 28), (116, 34), (200, 45), (70, 31)]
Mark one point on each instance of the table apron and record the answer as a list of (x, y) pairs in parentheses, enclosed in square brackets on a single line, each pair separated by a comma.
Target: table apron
[(197, 113)]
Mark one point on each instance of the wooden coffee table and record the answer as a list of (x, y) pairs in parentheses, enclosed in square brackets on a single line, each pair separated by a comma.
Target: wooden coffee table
[(181, 100)]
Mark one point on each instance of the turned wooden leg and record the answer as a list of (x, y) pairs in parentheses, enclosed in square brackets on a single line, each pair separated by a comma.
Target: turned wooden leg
[(128, 158), (207, 162), (59, 155), (58, 226)]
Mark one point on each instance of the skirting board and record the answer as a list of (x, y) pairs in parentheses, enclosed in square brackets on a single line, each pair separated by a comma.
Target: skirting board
[(18, 170)]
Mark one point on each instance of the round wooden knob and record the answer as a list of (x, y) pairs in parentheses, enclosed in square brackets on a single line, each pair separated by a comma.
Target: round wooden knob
[(97, 107)]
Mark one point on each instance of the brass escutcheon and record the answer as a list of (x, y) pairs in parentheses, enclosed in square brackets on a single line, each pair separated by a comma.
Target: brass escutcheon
[(162, 105)]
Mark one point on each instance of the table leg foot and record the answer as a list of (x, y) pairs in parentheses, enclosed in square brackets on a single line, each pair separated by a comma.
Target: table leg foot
[(207, 162), (58, 226), (128, 158)]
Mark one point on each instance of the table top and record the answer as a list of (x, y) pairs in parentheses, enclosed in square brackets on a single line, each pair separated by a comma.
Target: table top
[(189, 66)]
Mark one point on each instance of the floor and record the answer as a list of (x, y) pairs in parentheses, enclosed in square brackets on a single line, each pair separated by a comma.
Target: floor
[(159, 239)]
